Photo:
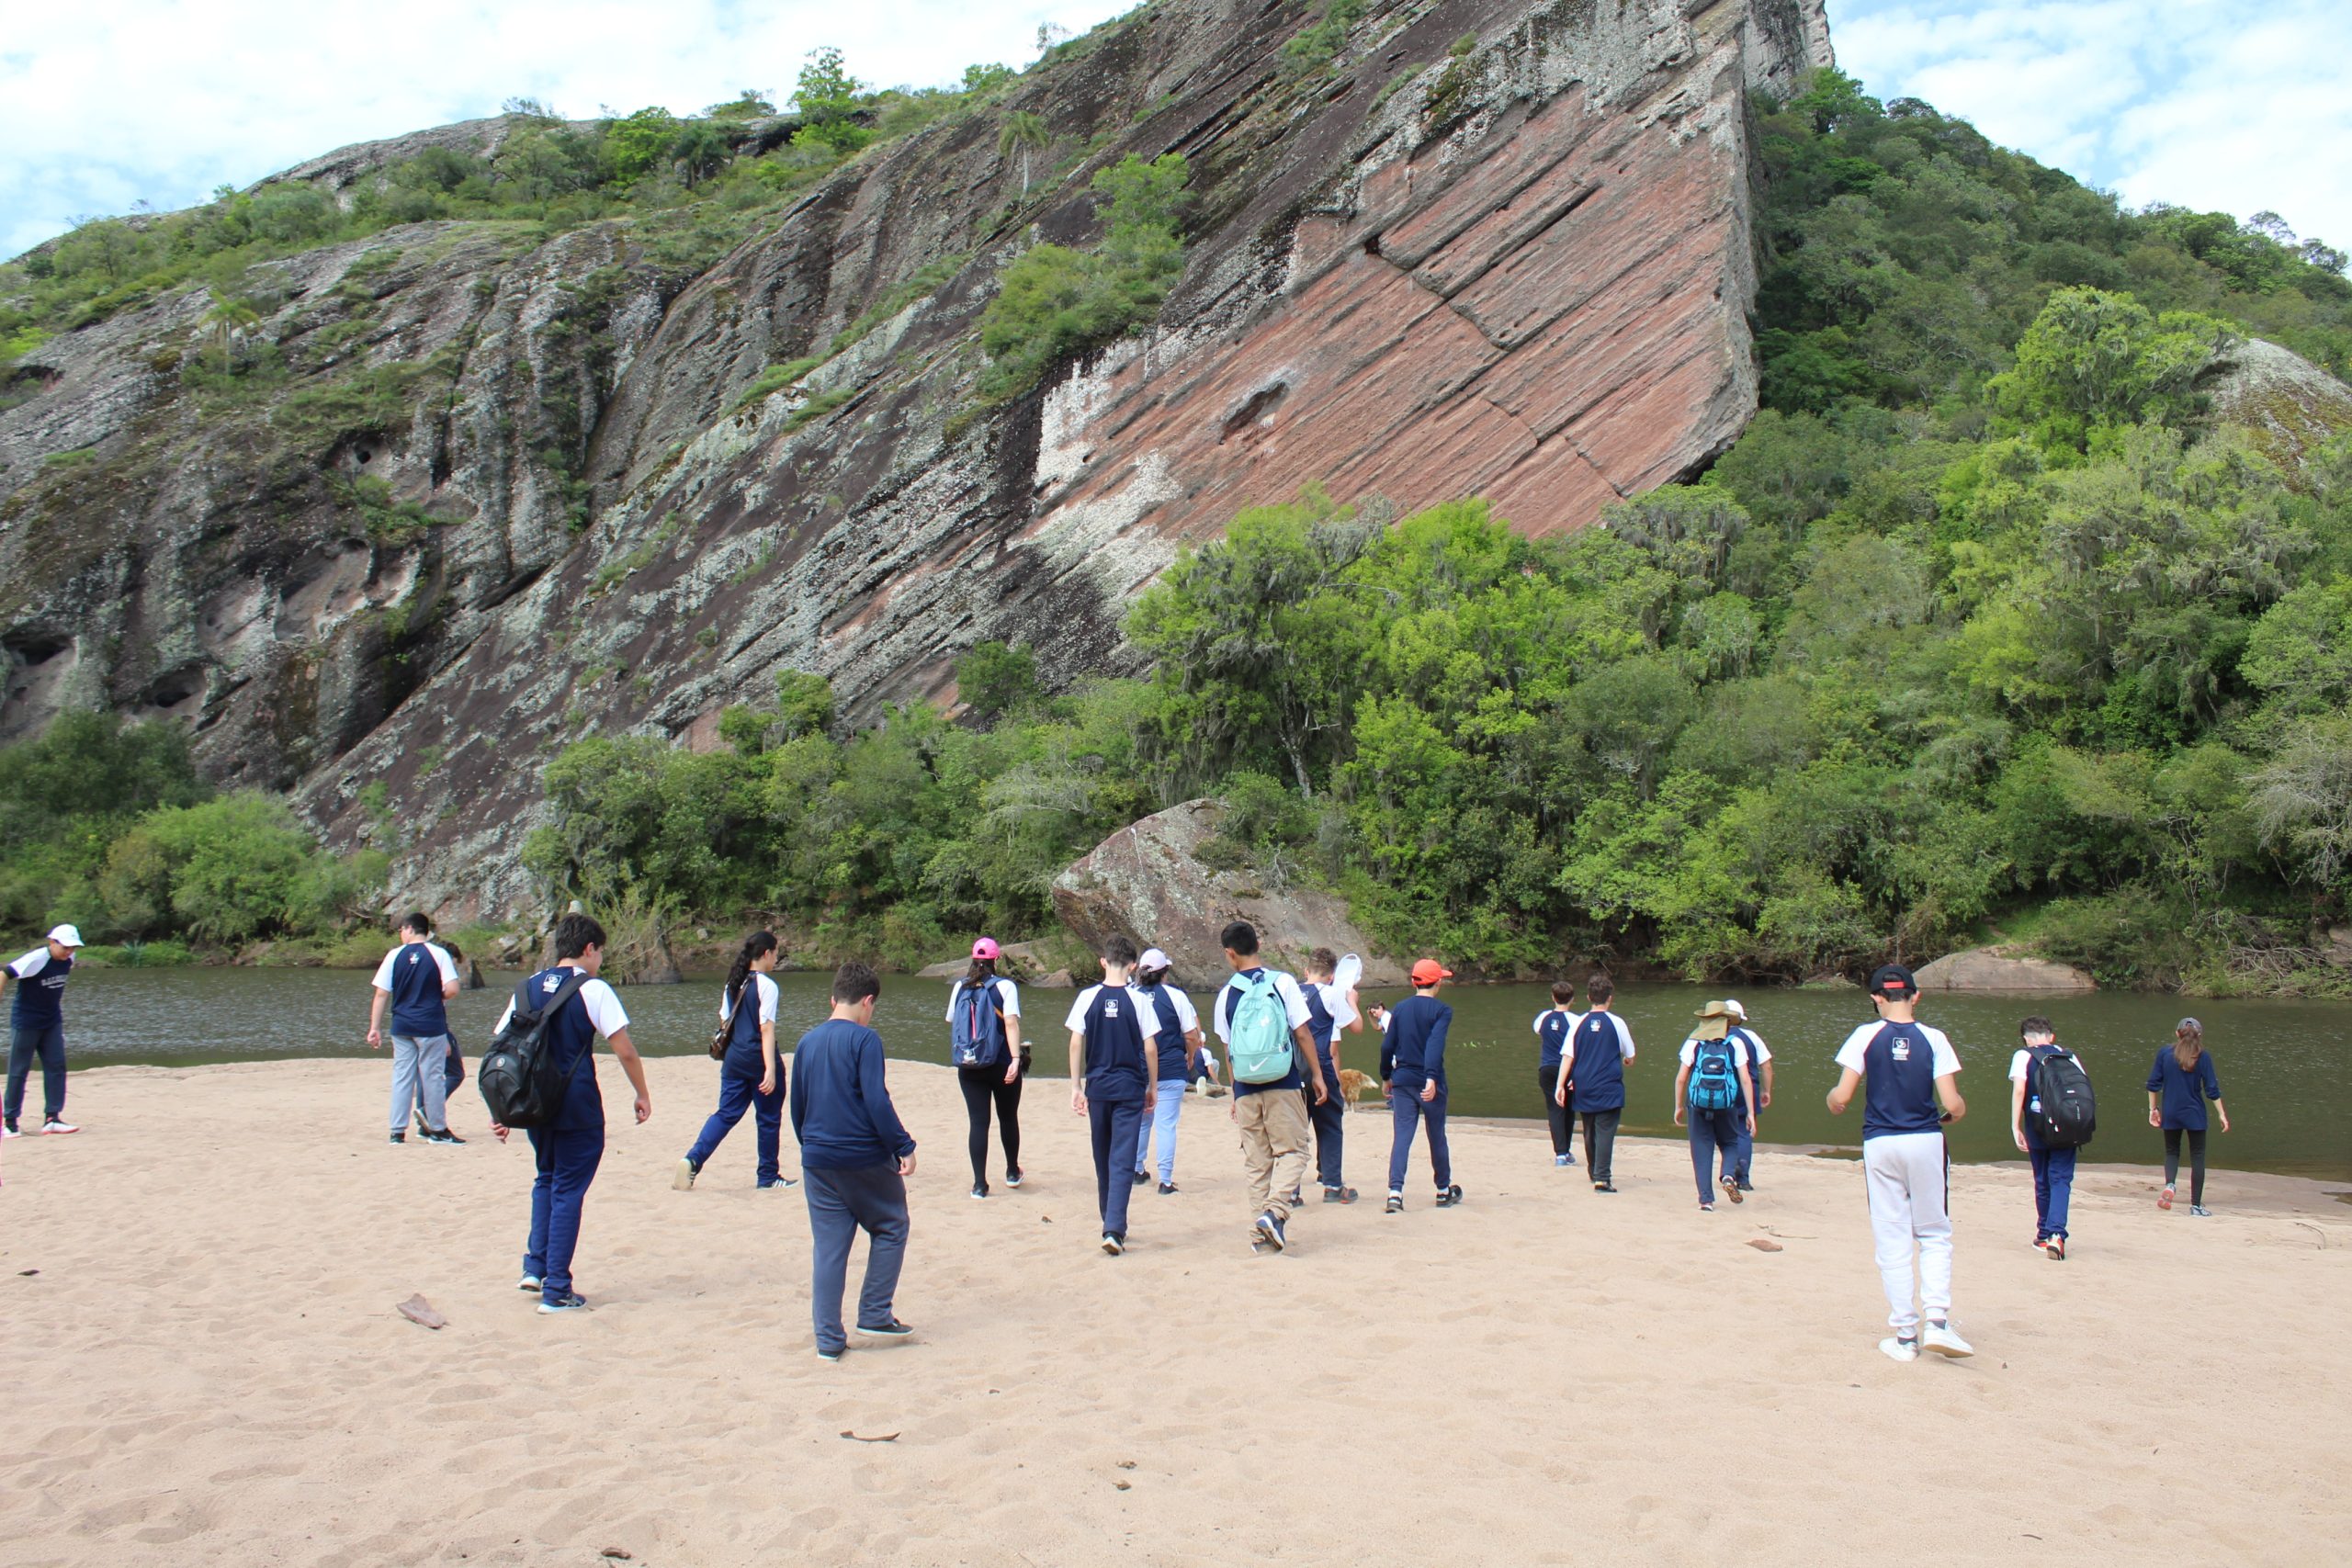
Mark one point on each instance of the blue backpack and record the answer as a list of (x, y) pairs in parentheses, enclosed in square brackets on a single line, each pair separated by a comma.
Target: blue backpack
[(1714, 1076), (978, 1025)]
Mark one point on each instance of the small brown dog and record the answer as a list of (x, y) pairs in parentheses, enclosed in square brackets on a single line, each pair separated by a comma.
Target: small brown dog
[(1356, 1085)]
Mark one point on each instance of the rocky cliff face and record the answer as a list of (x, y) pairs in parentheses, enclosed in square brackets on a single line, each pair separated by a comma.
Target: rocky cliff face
[(1499, 247)]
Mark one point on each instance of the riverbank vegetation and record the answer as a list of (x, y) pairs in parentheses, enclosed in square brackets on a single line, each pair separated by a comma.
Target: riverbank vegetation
[(107, 825), (1982, 629)]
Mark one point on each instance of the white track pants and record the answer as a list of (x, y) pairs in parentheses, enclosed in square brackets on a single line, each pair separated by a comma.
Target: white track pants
[(1909, 1179)]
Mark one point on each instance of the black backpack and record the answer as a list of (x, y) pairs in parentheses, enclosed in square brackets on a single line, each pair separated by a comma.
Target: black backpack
[(2068, 1113), (517, 1074)]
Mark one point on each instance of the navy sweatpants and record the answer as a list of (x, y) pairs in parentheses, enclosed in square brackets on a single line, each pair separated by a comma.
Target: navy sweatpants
[(48, 1046), (2053, 1186), (1714, 1135), (568, 1161), (1116, 1124), (872, 1198), (1405, 1112), (737, 1094), (1330, 1120)]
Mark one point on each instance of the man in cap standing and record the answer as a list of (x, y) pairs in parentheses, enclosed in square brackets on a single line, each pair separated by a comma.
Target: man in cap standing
[(1412, 1074), (38, 1025), (1908, 1074)]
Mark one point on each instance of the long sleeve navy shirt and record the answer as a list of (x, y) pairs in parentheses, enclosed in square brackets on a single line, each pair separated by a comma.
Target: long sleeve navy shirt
[(841, 1110), (1412, 1051)]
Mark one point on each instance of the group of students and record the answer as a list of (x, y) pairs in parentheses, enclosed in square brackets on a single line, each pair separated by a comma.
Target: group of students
[(1135, 1043)]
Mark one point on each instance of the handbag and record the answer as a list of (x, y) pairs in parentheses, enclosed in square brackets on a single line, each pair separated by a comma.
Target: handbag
[(727, 1026)]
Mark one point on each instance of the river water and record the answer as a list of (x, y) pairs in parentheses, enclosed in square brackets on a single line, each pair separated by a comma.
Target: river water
[(2286, 1066)]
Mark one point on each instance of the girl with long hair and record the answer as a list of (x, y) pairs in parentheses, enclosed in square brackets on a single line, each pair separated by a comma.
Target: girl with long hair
[(751, 1076), (985, 1045), (2179, 1084)]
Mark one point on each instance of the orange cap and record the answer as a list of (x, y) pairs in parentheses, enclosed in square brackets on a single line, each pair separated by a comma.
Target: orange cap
[(1428, 972)]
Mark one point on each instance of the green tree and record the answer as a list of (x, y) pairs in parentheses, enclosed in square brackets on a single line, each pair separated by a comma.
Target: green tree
[(1023, 132), (827, 98), (636, 143), (2094, 361), (993, 678)]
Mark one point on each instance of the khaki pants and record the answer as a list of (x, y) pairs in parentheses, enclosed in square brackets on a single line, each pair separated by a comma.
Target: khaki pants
[(1273, 1147)]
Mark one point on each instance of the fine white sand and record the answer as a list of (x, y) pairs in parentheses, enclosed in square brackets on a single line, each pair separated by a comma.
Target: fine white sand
[(207, 1366)]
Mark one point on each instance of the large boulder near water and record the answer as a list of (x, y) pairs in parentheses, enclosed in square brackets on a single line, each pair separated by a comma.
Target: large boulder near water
[(1997, 969), (1147, 882)]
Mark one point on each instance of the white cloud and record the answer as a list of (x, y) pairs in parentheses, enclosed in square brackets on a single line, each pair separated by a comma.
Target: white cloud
[(2209, 104), (101, 107)]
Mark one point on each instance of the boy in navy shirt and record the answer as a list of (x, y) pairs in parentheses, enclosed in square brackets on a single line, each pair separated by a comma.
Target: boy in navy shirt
[(416, 978), (855, 1157), (1113, 1069), (2053, 1169), (1908, 1076), (37, 1028), (1592, 1079), (1554, 1025), (1412, 1074), (569, 1150), (1331, 1009), (1270, 1113)]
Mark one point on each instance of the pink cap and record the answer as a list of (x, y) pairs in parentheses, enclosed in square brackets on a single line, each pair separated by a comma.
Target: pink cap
[(986, 948)]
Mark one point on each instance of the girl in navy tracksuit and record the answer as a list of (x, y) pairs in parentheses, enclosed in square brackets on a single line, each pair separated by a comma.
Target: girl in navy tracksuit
[(2179, 1084)]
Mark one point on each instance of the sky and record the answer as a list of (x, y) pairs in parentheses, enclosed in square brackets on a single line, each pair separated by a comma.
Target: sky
[(2238, 106), (2225, 106)]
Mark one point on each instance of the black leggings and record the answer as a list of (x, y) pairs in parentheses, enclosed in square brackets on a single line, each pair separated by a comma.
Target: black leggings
[(2196, 1161), (1563, 1119), (982, 1085)]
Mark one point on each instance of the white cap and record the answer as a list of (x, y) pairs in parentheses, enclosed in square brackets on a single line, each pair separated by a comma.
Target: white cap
[(66, 936), (1153, 959), (1735, 1010)]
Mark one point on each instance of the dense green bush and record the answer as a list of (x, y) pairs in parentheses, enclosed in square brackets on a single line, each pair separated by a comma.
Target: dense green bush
[(1057, 301), (107, 825)]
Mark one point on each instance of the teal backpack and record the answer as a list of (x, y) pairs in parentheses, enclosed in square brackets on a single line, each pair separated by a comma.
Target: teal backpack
[(1714, 1076), (1258, 1031)]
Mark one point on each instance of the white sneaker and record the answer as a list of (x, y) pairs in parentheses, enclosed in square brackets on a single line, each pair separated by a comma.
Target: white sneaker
[(1940, 1338), (10, 1129), (683, 1180), (1113, 1245), (527, 1282), (59, 1124), (1899, 1350)]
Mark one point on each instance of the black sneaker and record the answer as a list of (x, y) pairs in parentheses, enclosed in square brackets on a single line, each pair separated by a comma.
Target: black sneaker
[(1012, 1178), (893, 1329), (1294, 1200), (1449, 1198), (570, 1301), (1142, 1177), (832, 1355), (442, 1136), (981, 1191), (1604, 1186), (1395, 1203), (398, 1137), (1339, 1194), (11, 1128), (1166, 1188), (1270, 1232)]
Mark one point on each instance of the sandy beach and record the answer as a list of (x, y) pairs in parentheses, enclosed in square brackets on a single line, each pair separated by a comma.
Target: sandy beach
[(206, 1365)]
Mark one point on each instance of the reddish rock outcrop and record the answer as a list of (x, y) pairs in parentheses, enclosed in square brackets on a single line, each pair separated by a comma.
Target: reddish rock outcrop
[(1495, 247)]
